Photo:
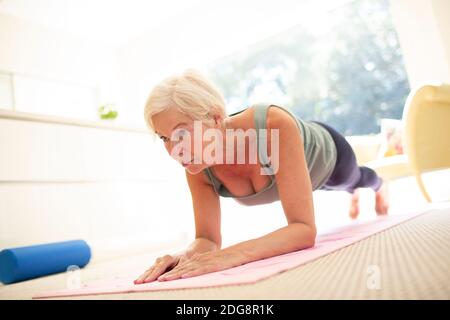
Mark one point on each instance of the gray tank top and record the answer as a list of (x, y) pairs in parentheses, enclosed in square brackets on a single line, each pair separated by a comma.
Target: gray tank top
[(320, 154)]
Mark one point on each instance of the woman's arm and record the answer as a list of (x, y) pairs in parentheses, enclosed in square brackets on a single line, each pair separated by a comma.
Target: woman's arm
[(293, 237), (206, 207), (295, 191), (207, 229)]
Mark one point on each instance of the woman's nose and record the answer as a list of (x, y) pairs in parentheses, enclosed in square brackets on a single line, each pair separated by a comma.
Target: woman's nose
[(173, 152)]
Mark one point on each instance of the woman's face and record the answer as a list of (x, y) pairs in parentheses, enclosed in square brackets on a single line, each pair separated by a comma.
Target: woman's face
[(182, 138)]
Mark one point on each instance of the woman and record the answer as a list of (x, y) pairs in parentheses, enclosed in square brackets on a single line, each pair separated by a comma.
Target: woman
[(304, 156)]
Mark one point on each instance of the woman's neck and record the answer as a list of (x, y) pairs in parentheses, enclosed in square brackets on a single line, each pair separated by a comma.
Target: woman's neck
[(238, 152)]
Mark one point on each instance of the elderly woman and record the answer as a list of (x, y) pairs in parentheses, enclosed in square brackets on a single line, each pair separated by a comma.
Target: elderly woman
[(304, 156)]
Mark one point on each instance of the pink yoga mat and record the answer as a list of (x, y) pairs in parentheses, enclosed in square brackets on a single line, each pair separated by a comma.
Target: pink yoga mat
[(247, 273)]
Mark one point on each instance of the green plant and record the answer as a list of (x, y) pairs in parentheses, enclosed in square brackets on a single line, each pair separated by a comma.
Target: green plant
[(107, 111)]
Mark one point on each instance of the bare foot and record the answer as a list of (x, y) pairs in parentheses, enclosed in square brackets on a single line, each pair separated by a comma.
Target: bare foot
[(382, 200), (354, 205)]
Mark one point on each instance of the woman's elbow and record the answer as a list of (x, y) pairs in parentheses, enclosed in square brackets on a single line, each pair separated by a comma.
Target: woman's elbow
[(309, 242), (310, 237), (307, 234)]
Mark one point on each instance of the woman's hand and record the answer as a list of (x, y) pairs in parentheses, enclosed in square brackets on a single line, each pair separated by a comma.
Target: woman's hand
[(160, 266), (202, 263)]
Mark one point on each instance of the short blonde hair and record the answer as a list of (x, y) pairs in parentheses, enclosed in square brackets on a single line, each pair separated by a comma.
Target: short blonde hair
[(190, 92)]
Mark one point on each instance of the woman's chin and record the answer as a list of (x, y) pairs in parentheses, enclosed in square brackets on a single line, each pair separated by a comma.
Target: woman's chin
[(194, 168)]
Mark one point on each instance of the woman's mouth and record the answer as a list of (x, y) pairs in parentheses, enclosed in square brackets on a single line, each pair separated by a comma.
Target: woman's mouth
[(185, 164)]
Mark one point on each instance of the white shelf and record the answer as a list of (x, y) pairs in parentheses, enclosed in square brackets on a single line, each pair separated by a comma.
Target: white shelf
[(25, 116)]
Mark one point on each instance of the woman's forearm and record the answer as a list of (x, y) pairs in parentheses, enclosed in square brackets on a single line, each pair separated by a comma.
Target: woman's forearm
[(293, 237)]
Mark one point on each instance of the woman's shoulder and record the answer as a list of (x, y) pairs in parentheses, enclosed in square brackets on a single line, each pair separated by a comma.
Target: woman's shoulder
[(242, 120), (269, 116), (200, 177), (280, 117)]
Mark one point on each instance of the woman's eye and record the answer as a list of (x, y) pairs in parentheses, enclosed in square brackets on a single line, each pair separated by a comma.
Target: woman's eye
[(180, 135)]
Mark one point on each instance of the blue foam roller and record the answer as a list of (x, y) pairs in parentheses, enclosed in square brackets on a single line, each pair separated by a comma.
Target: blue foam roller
[(23, 263)]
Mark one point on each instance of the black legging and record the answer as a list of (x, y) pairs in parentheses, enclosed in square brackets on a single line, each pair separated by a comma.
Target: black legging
[(347, 175)]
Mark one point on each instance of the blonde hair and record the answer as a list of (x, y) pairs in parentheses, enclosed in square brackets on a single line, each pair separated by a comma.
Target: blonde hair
[(190, 92)]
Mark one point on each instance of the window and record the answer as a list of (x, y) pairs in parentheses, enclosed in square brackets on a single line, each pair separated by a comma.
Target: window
[(46, 97), (344, 68)]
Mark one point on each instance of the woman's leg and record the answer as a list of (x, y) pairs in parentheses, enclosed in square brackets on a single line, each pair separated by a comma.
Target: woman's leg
[(348, 176)]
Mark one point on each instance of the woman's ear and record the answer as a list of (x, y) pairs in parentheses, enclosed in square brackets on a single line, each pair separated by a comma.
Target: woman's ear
[(217, 119)]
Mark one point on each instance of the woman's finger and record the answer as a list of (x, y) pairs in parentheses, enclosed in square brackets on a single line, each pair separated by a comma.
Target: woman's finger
[(160, 265), (175, 273), (156, 272), (144, 275), (165, 264)]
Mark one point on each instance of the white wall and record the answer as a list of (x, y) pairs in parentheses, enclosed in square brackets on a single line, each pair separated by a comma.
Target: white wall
[(423, 27), (441, 10), (60, 182)]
